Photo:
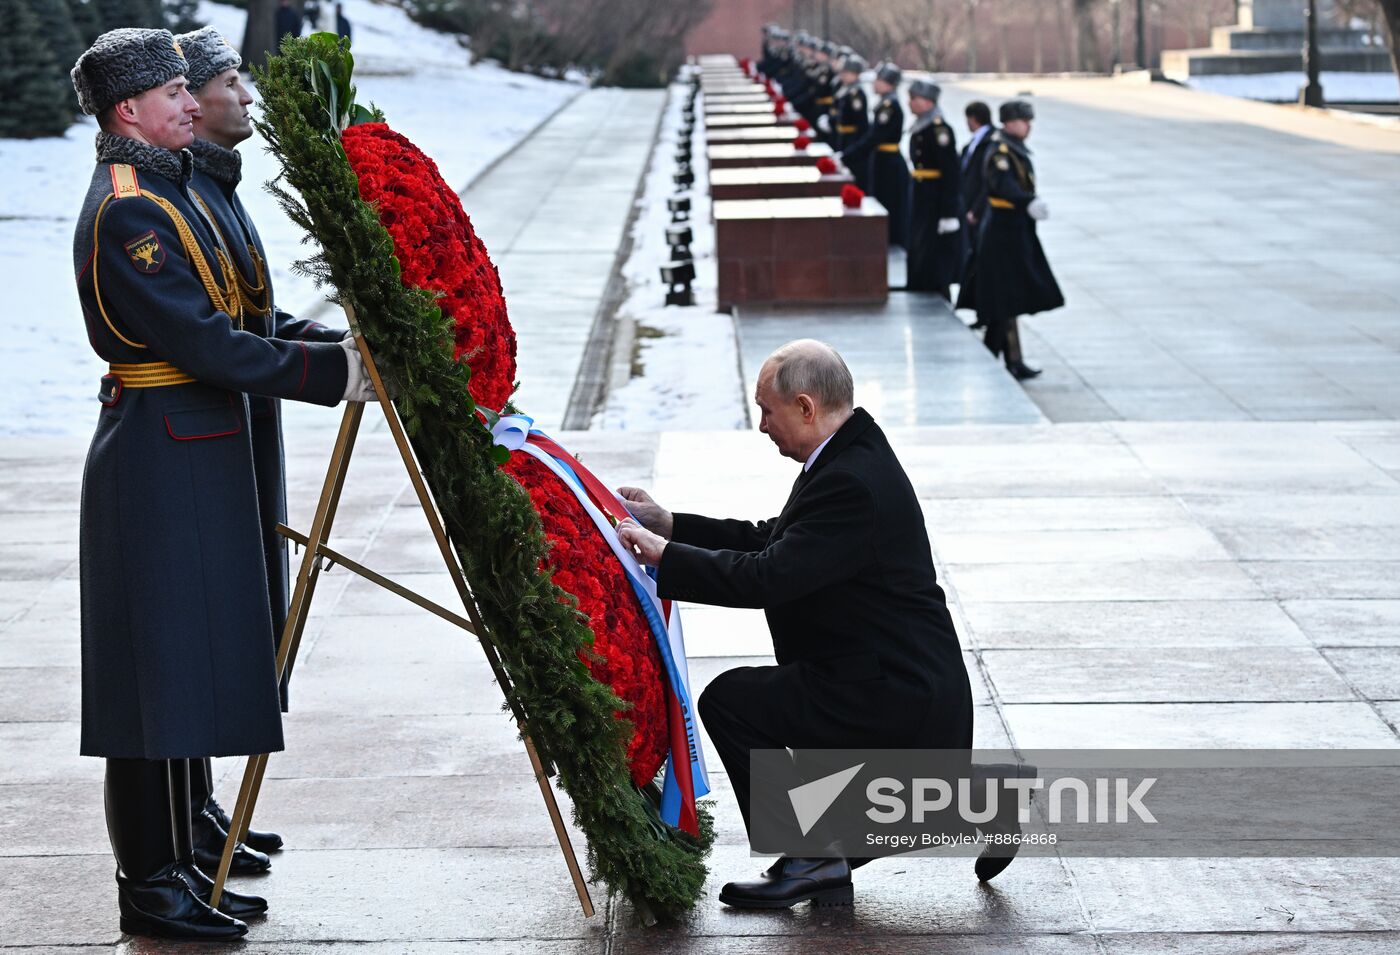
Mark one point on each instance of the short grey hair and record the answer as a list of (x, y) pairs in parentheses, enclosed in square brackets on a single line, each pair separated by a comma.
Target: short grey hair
[(810, 367)]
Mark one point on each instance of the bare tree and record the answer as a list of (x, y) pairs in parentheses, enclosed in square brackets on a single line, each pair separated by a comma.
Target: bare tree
[(1086, 37)]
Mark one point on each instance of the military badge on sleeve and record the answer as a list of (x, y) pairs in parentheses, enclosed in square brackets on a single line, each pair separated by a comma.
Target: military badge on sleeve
[(943, 137), (1002, 163), (146, 253)]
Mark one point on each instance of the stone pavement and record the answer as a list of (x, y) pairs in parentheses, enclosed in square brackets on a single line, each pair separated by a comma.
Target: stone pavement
[(1140, 583), (1221, 259)]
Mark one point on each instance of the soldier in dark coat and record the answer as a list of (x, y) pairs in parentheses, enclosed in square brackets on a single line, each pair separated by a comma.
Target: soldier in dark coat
[(974, 196), (889, 174), (176, 627), (853, 122), (223, 123), (1013, 276), (935, 209), (865, 647)]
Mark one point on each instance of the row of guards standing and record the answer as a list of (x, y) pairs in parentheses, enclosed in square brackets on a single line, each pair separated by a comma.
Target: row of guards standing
[(966, 218)]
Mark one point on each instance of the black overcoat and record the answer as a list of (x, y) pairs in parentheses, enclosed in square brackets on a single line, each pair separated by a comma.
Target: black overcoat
[(865, 646), (217, 173), (177, 638), (935, 260), (1013, 276), (889, 173)]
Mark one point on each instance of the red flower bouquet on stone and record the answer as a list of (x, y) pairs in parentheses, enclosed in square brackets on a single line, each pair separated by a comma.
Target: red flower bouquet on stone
[(826, 165), (779, 106), (438, 250), (851, 196), (801, 142), (802, 125)]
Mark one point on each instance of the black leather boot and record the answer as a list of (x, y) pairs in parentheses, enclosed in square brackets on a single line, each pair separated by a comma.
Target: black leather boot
[(1005, 826), (153, 895), (184, 777), (823, 882), (1014, 364), (209, 839), (202, 791)]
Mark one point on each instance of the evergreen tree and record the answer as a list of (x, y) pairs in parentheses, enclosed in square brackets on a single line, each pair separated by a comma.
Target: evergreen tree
[(58, 33), (87, 20), (37, 100), (182, 16), (130, 13)]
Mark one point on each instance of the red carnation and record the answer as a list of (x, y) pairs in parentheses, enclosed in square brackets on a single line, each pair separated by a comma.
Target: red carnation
[(851, 196), (826, 165), (802, 125), (438, 250), (744, 62), (779, 106), (627, 656), (801, 142)]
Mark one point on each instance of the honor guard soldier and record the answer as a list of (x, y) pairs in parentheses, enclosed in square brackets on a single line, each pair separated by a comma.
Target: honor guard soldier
[(974, 196), (935, 211), (1013, 276), (823, 82), (853, 121), (177, 641), (221, 124), (804, 82), (888, 174)]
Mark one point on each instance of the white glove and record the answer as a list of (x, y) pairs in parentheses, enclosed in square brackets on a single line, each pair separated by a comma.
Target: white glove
[(946, 226), (1037, 209), (358, 387), (824, 122)]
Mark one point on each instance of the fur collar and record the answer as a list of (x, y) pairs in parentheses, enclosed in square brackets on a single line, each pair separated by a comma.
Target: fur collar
[(175, 165), (223, 165)]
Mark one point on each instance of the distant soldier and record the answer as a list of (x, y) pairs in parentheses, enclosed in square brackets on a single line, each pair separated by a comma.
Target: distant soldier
[(974, 196), (935, 234), (824, 95), (852, 121), (1013, 276), (878, 150)]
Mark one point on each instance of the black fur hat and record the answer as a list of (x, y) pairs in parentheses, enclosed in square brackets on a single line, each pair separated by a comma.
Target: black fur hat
[(208, 54)]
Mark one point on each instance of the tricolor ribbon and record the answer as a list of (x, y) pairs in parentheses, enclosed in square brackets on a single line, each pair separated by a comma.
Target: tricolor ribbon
[(686, 778)]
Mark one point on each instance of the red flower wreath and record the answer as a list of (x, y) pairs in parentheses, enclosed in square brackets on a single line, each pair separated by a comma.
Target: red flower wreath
[(438, 250)]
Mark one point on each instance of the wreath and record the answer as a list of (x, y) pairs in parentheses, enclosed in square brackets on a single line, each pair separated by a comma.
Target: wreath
[(583, 667)]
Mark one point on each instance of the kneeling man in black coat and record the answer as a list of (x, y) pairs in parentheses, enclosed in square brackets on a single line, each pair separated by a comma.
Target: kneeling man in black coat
[(866, 651)]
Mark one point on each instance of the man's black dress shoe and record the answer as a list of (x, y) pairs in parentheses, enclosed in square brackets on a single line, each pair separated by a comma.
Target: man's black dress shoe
[(1006, 824), (232, 903), (165, 906), (1023, 372), (209, 839), (824, 882), (255, 839)]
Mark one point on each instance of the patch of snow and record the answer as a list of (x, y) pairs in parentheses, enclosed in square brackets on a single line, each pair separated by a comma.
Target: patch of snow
[(1284, 87), (463, 115), (686, 358)]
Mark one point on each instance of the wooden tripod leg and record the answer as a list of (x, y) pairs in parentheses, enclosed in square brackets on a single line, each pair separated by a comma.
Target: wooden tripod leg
[(290, 640), (459, 580)]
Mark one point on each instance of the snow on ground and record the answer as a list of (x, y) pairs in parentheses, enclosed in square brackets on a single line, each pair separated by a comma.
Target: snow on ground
[(685, 362), (1283, 87), (463, 115)]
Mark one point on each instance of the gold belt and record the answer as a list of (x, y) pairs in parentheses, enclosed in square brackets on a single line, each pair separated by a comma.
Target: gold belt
[(888, 147), (825, 100), (1001, 203), (149, 374), (845, 130), (922, 174)]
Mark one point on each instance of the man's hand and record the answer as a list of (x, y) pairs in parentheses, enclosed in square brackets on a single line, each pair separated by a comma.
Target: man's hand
[(648, 513), (647, 546)]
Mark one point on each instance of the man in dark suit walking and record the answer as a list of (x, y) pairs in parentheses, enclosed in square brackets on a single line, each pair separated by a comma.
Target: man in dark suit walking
[(866, 651)]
